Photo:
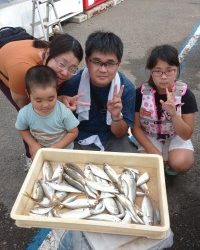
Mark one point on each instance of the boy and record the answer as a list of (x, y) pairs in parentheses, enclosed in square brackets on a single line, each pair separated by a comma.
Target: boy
[(45, 122)]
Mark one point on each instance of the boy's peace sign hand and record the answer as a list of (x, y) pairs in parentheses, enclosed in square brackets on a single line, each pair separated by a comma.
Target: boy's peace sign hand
[(114, 106), (73, 101), (169, 106)]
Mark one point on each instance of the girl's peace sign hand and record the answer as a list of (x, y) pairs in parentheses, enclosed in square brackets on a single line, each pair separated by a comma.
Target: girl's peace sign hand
[(114, 106), (169, 106)]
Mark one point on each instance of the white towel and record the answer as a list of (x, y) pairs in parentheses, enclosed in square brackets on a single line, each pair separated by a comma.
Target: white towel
[(84, 88), (93, 139)]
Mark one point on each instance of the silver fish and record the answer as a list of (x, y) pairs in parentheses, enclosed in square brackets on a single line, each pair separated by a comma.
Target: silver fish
[(113, 176), (80, 203), (60, 195), (73, 182), (75, 175), (67, 200), (130, 180), (98, 172), (127, 218), (79, 213), (138, 193), (156, 216), (88, 173), (102, 187), (37, 193), (128, 205), (111, 206), (104, 195), (148, 211), (100, 207), (144, 188), (76, 168), (90, 192), (143, 179), (104, 217), (47, 171), (135, 172), (121, 209), (63, 187), (48, 190), (40, 210), (45, 202), (124, 187), (58, 173)]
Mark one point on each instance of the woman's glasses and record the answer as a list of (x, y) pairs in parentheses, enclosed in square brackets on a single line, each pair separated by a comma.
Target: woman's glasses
[(63, 66)]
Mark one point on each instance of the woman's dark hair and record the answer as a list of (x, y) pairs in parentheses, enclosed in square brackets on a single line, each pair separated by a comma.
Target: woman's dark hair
[(40, 76), (166, 53), (61, 43), (104, 42)]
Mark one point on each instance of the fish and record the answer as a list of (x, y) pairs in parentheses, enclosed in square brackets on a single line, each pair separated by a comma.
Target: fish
[(60, 195), (63, 187), (120, 208), (47, 171), (79, 213), (104, 217), (37, 192), (74, 182), (114, 177), (130, 180), (76, 168), (156, 216), (88, 173), (144, 188), (129, 206), (57, 174), (127, 218), (99, 208), (80, 203), (148, 211), (142, 179), (40, 210), (111, 206), (45, 202), (48, 190), (101, 187), (97, 171), (75, 175)]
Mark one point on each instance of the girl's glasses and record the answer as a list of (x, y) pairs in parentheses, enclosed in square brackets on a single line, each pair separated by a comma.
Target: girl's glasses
[(169, 72)]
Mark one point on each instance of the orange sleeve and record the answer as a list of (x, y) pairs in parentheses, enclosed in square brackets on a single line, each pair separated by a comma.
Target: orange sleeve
[(16, 75)]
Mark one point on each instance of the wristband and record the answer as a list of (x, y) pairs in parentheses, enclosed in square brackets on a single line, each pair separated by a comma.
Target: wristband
[(117, 120)]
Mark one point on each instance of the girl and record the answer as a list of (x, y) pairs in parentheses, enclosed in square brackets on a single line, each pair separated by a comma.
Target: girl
[(165, 112)]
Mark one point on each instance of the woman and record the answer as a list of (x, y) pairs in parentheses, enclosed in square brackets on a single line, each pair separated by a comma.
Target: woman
[(63, 54)]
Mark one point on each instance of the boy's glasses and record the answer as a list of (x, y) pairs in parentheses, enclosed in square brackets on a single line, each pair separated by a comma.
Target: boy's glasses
[(107, 65), (169, 72), (63, 66)]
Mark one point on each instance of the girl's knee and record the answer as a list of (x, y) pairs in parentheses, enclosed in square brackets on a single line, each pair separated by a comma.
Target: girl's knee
[(181, 162)]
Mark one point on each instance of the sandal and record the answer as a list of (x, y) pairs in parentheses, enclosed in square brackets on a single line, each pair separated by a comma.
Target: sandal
[(170, 171)]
